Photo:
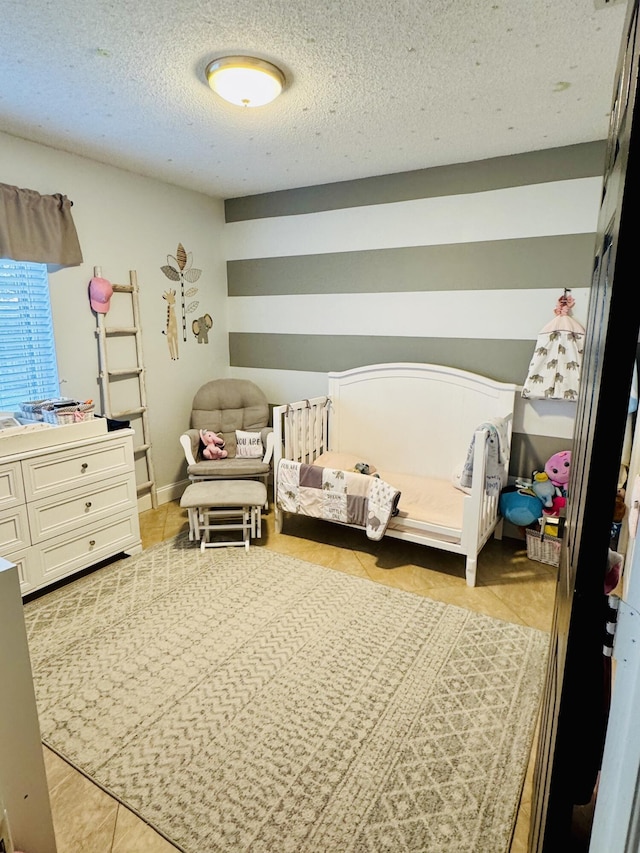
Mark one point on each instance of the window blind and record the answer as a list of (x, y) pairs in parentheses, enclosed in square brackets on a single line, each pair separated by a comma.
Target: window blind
[(28, 364)]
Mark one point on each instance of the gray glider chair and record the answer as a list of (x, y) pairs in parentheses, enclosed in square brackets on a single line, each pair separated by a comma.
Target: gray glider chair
[(224, 406)]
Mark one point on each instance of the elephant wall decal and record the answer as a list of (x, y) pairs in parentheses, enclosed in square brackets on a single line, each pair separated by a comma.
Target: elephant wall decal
[(200, 328)]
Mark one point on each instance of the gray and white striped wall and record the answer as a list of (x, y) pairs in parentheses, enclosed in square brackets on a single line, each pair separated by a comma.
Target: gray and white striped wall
[(458, 265)]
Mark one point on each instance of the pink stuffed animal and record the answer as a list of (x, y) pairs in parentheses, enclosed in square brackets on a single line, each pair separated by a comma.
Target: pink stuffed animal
[(557, 468), (213, 445)]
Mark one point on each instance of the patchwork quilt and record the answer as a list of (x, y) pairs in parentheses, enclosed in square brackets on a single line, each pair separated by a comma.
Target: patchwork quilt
[(337, 495)]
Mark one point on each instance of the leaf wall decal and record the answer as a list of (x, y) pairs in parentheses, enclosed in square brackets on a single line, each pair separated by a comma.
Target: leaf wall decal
[(181, 255), (191, 292), (192, 275), (192, 307), (171, 273)]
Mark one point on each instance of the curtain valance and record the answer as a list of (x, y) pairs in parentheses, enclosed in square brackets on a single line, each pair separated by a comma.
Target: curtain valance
[(38, 228)]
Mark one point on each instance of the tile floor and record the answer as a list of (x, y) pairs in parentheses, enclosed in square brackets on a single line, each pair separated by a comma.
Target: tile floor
[(510, 586)]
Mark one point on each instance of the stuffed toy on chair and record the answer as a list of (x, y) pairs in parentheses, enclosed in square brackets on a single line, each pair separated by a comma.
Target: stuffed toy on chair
[(213, 445)]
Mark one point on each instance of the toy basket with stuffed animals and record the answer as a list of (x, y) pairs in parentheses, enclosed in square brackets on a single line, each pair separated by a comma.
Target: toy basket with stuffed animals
[(544, 549)]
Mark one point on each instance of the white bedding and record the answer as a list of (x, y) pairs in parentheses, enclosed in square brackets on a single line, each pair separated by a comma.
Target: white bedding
[(421, 498)]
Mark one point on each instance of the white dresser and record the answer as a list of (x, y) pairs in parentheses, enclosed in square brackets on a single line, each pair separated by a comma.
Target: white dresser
[(68, 504)]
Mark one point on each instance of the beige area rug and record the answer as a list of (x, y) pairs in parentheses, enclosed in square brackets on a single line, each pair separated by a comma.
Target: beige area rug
[(256, 702)]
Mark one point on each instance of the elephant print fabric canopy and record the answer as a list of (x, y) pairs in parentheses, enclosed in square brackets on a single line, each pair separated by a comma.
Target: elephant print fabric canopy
[(554, 371)]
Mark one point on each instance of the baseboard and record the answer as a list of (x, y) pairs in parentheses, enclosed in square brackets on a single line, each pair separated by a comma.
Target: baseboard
[(164, 495)]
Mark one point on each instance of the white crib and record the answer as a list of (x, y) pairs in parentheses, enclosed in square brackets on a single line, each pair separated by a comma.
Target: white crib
[(415, 424)]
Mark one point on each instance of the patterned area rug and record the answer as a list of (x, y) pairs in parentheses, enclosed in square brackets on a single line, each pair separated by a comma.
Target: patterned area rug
[(256, 702)]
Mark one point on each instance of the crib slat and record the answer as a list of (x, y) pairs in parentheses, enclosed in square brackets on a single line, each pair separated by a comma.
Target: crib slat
[(302, 429)]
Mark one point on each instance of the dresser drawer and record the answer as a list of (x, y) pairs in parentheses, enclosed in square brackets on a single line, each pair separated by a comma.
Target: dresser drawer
[(14, 530), (68, 511), (68, 506), (11, 488), (89, 545), (49, 475)]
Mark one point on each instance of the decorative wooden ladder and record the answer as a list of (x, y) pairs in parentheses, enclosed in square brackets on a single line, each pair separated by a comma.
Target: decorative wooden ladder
[(103, 333)]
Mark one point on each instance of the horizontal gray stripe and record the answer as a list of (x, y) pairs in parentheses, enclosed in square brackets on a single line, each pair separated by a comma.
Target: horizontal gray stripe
[(503, 360), (585, 160), (531, 262), (530, 452)]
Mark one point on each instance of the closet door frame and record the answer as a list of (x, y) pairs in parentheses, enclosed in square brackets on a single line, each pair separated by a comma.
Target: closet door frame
[(573, 718)]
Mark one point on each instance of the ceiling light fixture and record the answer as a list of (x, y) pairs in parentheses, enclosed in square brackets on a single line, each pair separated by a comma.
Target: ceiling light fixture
[(245, 80)]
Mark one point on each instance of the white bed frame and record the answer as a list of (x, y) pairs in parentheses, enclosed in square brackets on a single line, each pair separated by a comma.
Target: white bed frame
[(418, 418)]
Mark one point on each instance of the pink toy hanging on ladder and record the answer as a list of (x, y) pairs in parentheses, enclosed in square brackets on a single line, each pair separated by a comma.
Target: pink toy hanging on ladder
[(554, 371)]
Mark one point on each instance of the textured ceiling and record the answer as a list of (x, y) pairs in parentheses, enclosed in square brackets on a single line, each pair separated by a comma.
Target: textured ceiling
[(374, 86)]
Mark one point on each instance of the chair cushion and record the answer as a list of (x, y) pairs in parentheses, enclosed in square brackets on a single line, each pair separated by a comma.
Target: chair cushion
[(231, 467), (225, 405), (196, 446), (212, 493)]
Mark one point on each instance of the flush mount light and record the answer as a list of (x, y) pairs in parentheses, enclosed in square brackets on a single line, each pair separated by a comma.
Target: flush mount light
[(245, 80)]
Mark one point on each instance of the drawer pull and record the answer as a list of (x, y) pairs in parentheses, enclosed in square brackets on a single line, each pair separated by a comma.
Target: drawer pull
[(92, 542), (84, 466), (88, 504)]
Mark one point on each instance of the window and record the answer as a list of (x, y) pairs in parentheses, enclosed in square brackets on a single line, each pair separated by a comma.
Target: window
[(28, 365)]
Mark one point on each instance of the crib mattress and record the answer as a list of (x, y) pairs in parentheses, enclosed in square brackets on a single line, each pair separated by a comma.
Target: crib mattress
[(424, 499)]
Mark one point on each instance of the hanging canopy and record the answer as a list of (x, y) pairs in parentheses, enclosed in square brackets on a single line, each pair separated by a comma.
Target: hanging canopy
[(554, 371)]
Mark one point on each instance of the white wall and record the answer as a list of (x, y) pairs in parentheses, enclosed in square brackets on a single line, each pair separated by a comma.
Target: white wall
[(535, 210), (127, 222)]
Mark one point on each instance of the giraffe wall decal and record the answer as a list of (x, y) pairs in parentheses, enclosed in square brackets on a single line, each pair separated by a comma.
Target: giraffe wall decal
[(171, 330), (180, 268)]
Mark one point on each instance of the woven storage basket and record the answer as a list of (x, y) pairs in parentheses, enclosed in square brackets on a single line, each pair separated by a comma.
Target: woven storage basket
[(544, 549), (33, 410), (69, 414)]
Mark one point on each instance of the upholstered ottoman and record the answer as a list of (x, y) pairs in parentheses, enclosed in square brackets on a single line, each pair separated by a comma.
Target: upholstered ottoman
[(217, 505)]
